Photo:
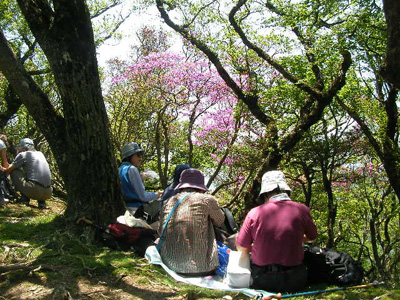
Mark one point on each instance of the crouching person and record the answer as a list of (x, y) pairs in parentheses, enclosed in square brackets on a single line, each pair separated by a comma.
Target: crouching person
[(30, 174), (273, 234), (187, 240)]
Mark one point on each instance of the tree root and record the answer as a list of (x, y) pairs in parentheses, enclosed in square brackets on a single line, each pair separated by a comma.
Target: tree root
[(25, 266)]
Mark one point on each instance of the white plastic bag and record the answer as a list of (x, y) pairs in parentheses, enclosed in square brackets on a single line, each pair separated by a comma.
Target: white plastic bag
[(131, 221), (238, 272)]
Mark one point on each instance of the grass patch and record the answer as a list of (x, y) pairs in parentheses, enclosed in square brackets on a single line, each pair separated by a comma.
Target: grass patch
[(60, 262)]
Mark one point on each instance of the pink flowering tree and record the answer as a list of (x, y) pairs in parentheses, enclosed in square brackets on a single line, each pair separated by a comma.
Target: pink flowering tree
[(181, 110), (263, 40)]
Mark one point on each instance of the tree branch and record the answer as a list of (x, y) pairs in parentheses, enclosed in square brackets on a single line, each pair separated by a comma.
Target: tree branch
[(307, 46), (13, 104), (364, 127), (113, 30), (251, 100), (102, 10), (40, 13), (226, 153), (262, 54), (36, 101)]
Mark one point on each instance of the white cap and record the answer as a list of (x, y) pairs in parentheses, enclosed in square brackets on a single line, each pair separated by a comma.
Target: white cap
[(26, 143), (273, 180)]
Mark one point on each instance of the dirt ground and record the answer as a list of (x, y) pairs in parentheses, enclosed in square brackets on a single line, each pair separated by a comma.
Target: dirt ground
[(95, 288), (52, 283)]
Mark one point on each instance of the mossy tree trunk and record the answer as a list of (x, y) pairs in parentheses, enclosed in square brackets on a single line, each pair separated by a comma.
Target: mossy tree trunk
[(79, 135), (391, 66)]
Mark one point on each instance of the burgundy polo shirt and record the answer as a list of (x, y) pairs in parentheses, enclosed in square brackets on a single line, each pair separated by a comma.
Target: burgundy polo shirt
[(276, 230)]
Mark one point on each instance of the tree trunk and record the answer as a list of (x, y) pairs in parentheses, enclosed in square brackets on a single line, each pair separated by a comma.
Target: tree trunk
[(270, 163), (391, 66), (162, 148), (80, 140), (331, 207), (390, 157), (307, 189), (13, 103)]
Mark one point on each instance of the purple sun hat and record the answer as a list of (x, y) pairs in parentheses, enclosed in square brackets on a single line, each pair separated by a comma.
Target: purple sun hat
[(192, 178)]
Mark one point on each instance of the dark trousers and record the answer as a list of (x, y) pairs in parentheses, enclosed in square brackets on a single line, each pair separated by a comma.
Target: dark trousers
[(277, 278)]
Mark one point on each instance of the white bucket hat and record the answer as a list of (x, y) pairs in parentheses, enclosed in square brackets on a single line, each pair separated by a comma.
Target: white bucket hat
[(273, 180)]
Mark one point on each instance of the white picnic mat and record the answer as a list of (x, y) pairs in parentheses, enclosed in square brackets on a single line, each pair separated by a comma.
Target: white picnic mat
[(210, 282)]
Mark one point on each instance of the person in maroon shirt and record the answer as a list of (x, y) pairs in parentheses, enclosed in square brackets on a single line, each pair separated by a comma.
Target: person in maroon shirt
[(273, 233)]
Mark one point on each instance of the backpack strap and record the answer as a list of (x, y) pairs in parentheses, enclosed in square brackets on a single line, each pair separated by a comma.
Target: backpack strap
[(164, 227), (232, 226)]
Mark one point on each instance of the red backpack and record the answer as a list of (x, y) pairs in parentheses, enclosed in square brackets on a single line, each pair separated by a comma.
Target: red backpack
[(122, 237)]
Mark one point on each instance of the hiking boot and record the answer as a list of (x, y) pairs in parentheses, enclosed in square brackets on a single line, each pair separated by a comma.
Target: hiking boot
[(24, 200), (3, 201), (41, 204)]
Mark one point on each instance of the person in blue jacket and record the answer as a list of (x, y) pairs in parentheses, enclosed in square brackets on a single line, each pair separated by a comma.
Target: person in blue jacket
[(133, 190)]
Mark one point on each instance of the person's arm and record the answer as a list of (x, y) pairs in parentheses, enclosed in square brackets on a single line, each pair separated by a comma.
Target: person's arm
[(244, 240), (311, 232), (243, 249), (168, 192), (8, 170), (3, 157), (18, 162), (136, 182)]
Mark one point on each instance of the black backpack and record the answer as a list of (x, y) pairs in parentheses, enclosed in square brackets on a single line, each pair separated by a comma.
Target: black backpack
[(331, 267), (230, 225), (5, 187), (227, 232)]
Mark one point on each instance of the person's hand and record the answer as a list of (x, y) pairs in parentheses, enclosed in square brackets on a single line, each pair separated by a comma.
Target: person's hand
[(159, 193), (144, 175), (306, 240), (243, 249)]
